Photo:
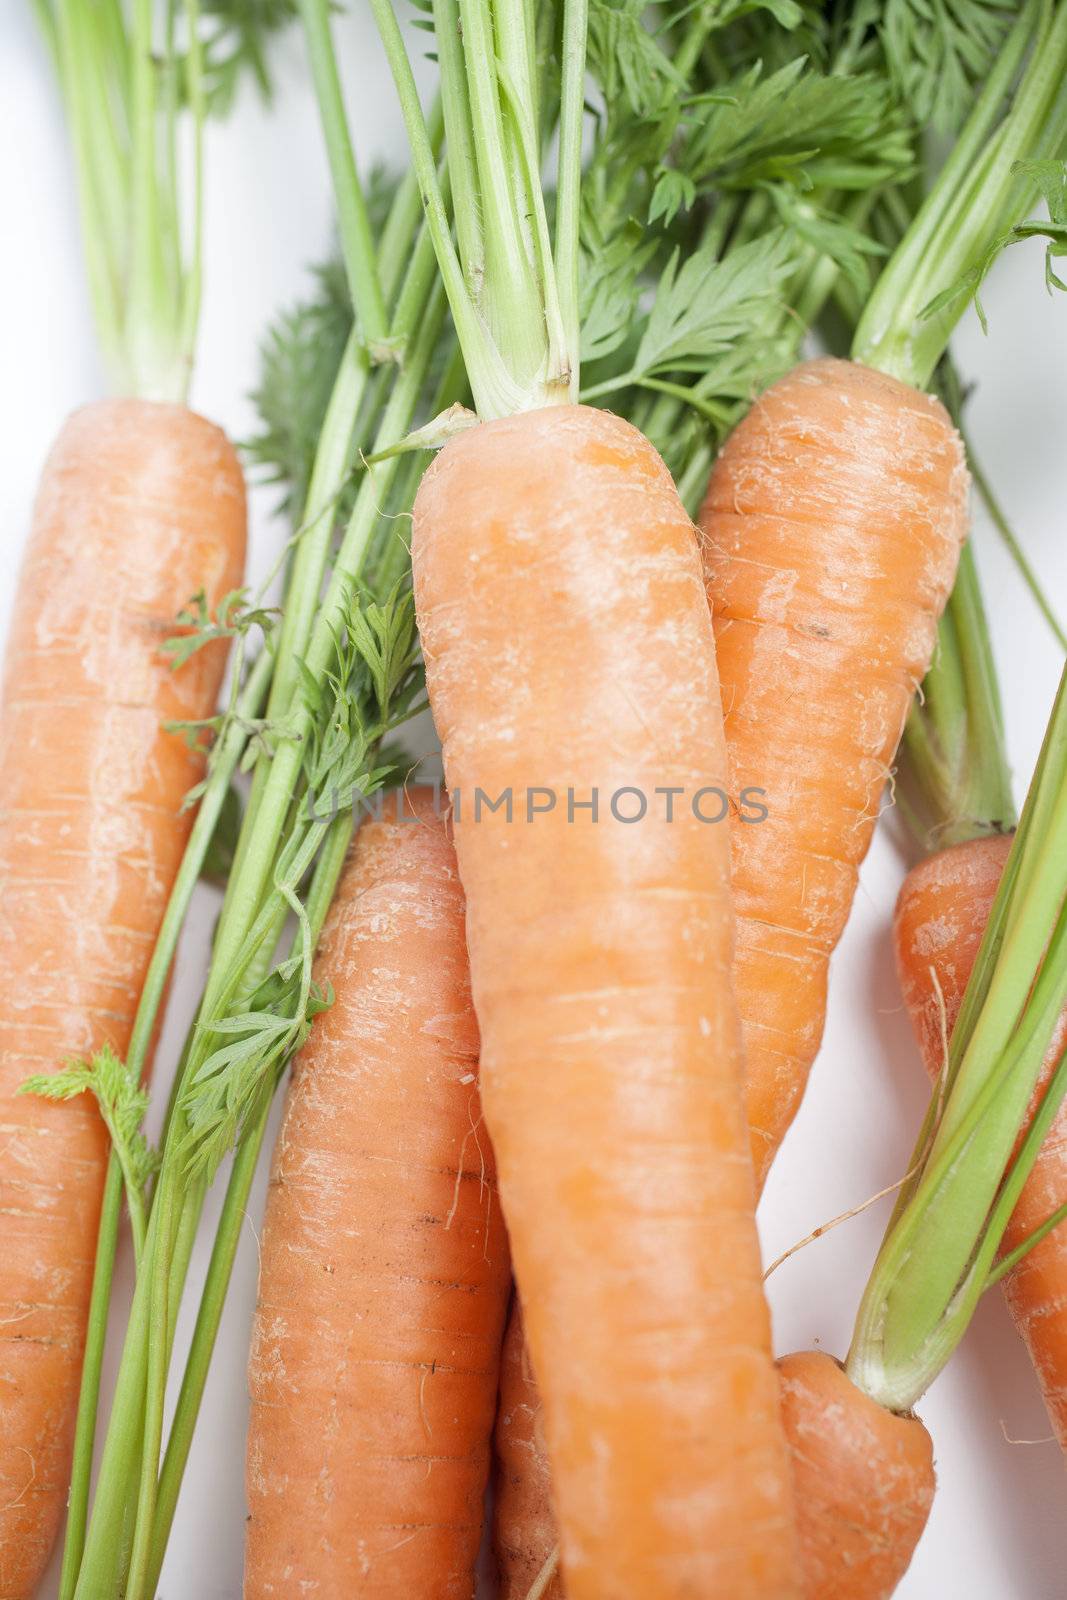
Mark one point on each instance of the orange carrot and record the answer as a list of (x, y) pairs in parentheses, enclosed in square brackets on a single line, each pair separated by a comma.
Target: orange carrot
[(140, 505), (384, 1272), (568, 652), (833, 523), (941, 915), (525, 1540), (864, 1480)]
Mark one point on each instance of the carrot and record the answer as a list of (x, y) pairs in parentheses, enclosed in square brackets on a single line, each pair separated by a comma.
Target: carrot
[(941, 915), (140, 505), (384, 1269), (864, 1480), (525, 1540), (600, 959), (834, 518), (570, 667), (833, 523)]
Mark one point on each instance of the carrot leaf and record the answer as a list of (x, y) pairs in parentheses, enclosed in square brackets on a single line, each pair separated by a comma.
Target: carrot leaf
[(812, 129), (237, 34), (711, 316), (937, 50), (624, 53), (705, 304), (232, 618), (122, 1103)]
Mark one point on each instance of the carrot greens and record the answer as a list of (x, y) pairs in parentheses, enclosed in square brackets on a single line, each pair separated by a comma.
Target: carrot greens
[(938, 1254), (138, 83)]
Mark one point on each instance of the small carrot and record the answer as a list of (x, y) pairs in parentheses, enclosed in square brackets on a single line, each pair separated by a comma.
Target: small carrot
[(833, 523), (600, 958), (140, 505), (384, 1268), (864, 1481), (525, 1539), (941, 916)]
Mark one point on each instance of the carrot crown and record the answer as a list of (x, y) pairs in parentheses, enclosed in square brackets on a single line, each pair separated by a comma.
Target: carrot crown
[(511, 279)]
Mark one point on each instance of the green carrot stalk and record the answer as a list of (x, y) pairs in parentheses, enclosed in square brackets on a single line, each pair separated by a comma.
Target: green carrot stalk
[(954, 739), (978, 197), (938, 1254), (224, 763)]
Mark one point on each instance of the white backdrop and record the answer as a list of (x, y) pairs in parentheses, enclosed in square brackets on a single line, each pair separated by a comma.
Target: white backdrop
[(998, 1529)]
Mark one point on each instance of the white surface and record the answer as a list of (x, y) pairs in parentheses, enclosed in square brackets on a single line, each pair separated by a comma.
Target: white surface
[(998, 1530)]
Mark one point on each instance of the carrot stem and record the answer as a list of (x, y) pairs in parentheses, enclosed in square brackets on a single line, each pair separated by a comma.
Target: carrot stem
[(515, 324), (92, 1368), (487, 372), (977, 198), (231, 1221), (568, 187), (357, 243), (120, 88), (949, 1222), (954, 738), (1032, 1240), (284, 767), (246, 938), (224, 764)]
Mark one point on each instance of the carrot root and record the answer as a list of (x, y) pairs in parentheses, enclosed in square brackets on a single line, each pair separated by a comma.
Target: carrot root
[(140, 505), (384, 1267), (568, 645), (833, 522)]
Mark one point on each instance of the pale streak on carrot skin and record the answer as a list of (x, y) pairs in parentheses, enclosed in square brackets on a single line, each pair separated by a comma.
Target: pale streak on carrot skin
[(832, 527), (140, 505), (941, 915), (567, 642), (864, 1481), (384, 1266)]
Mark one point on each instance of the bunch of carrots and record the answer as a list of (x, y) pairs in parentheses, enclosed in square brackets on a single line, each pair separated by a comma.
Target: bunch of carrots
[(623, 433)]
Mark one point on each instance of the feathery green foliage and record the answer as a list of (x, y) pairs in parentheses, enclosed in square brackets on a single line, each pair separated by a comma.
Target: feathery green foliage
[(236, 38), (233, 617), (938, 50), (709, 310), (795, 125), (122, 1103)]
